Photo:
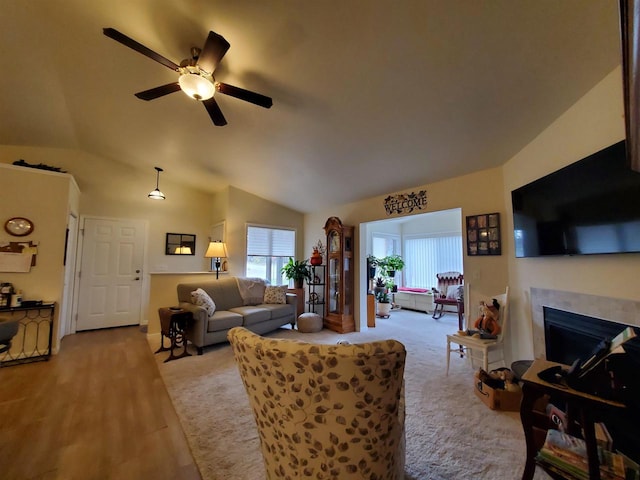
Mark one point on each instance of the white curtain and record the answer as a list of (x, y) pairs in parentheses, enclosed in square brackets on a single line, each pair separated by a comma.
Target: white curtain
[(427, 256)]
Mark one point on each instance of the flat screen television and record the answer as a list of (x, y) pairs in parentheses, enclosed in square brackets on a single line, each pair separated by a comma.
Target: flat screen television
[(589, 207)]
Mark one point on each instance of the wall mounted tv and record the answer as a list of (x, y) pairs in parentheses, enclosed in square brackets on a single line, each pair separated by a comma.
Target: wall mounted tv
[(589, 207)]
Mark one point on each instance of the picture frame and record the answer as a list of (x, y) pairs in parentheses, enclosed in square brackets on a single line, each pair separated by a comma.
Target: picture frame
[(483, 234), (180, 244)]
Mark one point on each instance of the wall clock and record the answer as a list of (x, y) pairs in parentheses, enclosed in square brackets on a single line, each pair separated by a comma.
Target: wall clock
[(18, 226)]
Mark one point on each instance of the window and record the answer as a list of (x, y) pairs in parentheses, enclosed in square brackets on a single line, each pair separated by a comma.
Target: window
[(268, 249), (385, 245), (427, 256)]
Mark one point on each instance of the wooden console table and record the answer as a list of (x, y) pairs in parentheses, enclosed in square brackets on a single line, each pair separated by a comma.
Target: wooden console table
[(33, 341), (580, 405)]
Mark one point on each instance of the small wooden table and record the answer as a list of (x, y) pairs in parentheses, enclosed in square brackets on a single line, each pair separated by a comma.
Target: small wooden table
[(585, 406), (173, 324)]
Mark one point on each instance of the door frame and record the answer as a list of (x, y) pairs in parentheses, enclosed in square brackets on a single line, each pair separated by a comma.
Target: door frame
[(144, 290), (66, 325)]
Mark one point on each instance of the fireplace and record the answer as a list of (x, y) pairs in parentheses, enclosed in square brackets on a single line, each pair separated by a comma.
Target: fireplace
[(615, 310), (571, 336)]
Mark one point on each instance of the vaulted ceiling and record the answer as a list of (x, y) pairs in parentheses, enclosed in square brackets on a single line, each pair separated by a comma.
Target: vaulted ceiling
[(369, 96)]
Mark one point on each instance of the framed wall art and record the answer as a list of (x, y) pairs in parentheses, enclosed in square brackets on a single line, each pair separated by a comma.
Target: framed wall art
[(483, 234), (180, 244)]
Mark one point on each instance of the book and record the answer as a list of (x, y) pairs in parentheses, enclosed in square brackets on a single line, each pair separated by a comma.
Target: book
[(569, 454), (631, 468), (620, 339), (603, 437), (604, 349)]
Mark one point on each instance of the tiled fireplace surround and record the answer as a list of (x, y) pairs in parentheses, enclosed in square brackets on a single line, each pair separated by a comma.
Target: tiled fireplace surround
[(613, 309)]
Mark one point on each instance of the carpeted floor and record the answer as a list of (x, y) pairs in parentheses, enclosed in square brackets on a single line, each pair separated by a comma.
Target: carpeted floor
[(451, 434)]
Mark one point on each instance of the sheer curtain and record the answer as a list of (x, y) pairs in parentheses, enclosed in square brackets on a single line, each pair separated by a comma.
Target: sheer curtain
[(426, 256)]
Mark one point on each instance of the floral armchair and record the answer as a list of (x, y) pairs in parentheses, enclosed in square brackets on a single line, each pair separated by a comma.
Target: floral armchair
[(325, 411)]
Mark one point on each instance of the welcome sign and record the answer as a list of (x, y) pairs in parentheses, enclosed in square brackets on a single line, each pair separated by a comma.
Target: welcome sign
[(405, 202)]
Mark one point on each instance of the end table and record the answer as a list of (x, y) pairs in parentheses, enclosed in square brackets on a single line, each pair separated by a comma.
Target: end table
[(173, 324)]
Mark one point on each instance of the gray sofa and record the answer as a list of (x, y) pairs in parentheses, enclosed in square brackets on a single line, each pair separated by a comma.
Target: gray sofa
[(231, 311)]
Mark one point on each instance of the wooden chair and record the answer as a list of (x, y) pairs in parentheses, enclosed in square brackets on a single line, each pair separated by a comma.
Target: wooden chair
[(472, 347), (449, 296)]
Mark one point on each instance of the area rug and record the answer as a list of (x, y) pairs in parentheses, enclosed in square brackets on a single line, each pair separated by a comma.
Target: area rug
[(450, 433)]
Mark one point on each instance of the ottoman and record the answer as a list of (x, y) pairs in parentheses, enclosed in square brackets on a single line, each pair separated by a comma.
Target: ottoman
[(309, 322)]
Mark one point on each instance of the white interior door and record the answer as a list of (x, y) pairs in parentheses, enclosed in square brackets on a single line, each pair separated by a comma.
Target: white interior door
[(110, 293)]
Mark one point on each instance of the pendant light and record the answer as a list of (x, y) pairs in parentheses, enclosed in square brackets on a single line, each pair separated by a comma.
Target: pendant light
[(157, 194)]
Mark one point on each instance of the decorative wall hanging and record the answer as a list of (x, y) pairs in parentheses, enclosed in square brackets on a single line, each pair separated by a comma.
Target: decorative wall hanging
[(405, 202), (26, 249), (483, 234), (180, 244)]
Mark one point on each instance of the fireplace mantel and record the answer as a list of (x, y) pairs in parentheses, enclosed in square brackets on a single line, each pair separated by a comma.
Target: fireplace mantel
[(607, 308)]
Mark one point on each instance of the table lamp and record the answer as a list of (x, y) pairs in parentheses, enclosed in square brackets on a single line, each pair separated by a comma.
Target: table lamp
[(216, 250)]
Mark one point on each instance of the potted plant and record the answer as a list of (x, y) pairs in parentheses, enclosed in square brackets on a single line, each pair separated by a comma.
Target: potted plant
[(372, 263), (297, 271), (391, 286), (383, 306), (393, 264), (380, 286)]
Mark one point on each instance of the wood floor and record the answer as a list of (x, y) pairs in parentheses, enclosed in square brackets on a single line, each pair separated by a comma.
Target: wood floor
[(97, 410)]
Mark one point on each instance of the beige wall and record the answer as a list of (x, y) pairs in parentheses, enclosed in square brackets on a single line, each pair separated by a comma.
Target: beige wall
[(476, 193), (114, 190), (595, 122), (245, 208), (47, 199), (236, 208)]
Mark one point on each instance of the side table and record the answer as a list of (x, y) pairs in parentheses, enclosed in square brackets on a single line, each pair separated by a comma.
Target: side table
[(173, 323), (587, 409)]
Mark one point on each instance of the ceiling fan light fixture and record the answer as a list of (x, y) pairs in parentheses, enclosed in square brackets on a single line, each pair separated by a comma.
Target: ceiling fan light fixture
[(196, 85)]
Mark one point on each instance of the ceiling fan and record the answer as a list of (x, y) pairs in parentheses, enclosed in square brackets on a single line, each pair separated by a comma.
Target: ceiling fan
[(196, 75)]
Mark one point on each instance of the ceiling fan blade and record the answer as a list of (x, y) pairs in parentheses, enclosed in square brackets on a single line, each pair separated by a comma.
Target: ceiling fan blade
[(245, 95), (138, 47), (157, 92), (214, 112), (214, 49)]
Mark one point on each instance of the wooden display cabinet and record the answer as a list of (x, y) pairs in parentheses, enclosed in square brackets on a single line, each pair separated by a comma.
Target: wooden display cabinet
[(339, 277)]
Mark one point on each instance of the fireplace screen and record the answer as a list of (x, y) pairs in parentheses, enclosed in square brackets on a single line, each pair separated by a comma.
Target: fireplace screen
[(570, 336)]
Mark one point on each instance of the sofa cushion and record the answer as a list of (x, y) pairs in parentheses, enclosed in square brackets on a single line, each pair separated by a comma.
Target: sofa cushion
[(223, 320), (224, 292), (279, 310), (455, 292), (202, 299), (253, 314), (275, 294)]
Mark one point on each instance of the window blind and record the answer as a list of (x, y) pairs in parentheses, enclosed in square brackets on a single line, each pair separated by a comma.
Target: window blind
[(270, 242)]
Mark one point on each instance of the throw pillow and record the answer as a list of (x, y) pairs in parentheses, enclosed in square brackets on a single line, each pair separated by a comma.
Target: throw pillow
[(201, 298), (455, 292), (275, 294)]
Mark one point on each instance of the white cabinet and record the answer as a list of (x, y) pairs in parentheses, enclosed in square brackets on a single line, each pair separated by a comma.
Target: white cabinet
[(414, 301)]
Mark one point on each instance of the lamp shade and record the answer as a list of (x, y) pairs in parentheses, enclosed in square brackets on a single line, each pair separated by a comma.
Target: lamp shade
[(196, 86), (216, 250), (156, 195)]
